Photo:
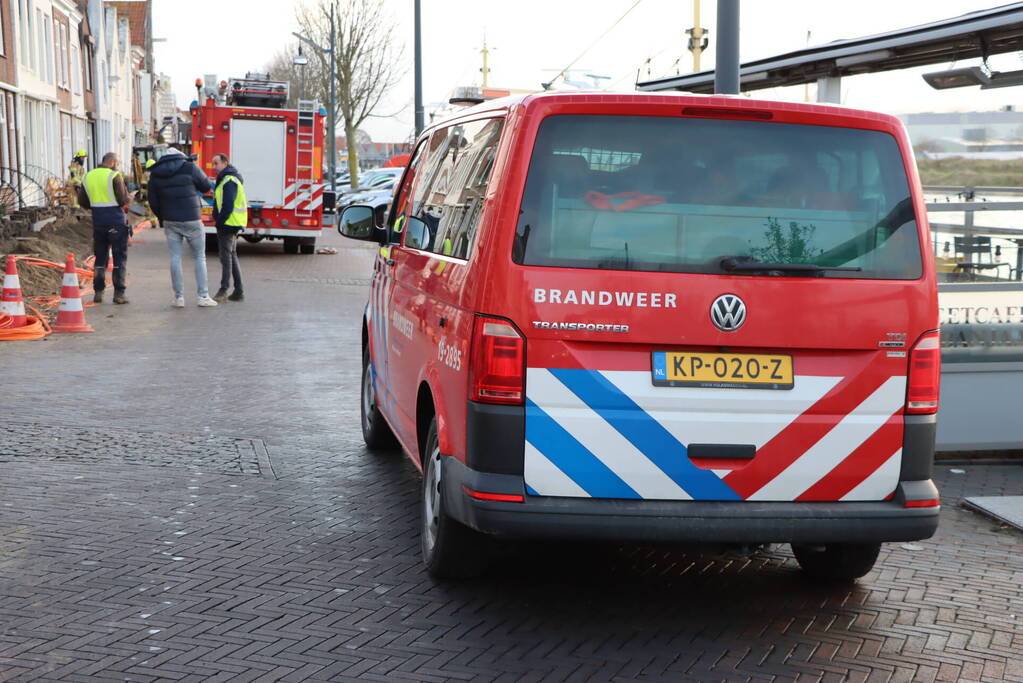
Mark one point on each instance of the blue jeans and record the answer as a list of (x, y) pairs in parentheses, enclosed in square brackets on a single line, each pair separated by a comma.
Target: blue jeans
[(179, 232)]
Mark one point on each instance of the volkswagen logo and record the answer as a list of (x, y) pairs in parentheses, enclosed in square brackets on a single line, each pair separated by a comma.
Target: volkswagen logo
[(728, 312)]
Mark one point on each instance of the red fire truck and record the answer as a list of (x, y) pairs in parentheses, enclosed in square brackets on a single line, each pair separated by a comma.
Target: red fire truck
[(278, 151)]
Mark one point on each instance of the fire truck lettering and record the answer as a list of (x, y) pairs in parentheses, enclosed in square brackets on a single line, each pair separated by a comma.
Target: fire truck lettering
[(570, 297), (604, 298), (641, 299), (555, 295), (588, 297), (624, 298)]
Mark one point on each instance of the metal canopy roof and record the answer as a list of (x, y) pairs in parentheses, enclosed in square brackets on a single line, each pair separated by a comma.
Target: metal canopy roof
[(977, 34)]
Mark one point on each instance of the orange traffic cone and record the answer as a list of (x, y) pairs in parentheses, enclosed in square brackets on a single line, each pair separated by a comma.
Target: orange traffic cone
[(11, 303), (71, 314)]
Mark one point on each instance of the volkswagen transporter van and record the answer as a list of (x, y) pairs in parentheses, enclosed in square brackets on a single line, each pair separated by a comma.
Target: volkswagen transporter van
[(658, 318)]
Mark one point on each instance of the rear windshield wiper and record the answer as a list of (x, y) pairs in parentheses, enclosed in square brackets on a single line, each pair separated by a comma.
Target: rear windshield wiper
[(747, 264)]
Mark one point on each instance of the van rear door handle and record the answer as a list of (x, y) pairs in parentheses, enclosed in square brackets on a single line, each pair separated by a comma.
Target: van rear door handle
[(728, 451)]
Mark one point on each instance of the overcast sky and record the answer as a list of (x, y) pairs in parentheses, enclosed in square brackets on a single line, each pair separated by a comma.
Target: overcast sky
[(230, 37)]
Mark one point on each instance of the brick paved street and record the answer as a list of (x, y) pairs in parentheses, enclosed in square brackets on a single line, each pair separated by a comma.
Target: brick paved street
[(184, 496)]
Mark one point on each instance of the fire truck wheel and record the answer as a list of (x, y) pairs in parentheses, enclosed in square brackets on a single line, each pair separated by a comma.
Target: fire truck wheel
[(290, 245), (450, 550), (308, 247), (375, 431), (836, 561), (253, 239), (211, 244)]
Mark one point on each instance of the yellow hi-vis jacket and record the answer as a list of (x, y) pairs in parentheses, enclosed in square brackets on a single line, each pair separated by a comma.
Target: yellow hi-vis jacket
[(239, 217), (99, 185)]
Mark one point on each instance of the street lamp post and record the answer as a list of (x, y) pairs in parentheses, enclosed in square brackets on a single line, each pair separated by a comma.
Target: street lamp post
[(300, 60), (333, 102), (332, 125), (418, 66)]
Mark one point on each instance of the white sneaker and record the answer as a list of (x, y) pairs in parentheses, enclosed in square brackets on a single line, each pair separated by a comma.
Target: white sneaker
[(178, 302), (206, 301)]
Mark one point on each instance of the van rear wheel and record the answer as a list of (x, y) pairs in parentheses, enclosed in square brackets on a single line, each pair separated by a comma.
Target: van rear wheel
[(836, 561), (450, 549), (375, 431)]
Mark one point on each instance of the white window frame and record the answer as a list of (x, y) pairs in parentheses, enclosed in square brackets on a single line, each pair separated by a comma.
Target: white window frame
[(65, 54), (39, 47), (76, 70), (47, 33)]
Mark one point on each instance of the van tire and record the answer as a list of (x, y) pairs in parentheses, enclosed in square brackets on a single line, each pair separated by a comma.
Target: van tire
[(375, 431), (450, 549), (836, 561)]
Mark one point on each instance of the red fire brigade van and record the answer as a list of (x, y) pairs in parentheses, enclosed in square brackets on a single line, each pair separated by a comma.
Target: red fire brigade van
[(658, 318)]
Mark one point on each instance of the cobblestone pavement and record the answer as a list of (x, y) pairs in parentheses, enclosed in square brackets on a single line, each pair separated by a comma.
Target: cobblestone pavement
[(132, 549)]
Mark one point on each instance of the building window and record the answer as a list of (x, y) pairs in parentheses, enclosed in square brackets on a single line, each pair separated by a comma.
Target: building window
[(28, 45), (88, 66), (3, 40), (46, 45), (76, 70), (62, 55)]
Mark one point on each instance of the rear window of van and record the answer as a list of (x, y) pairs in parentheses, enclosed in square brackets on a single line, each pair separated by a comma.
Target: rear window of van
[(682, 194)]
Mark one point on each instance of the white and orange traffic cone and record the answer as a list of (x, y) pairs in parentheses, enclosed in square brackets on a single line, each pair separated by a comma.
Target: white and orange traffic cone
[(71, 314), (11, 303)]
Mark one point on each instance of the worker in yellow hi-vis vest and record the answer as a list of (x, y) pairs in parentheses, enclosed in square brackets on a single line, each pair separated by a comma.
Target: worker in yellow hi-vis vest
[(103, 190), (231, 212), (76, 174)]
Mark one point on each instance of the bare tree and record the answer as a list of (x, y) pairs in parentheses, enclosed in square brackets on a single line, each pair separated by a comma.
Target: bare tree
[(369, 61)]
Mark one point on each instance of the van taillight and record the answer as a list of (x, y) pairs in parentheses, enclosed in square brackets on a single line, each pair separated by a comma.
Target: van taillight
[(924, 375), (497, 372)]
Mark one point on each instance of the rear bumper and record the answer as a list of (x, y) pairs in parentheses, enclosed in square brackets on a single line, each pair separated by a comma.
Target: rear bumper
[(685, 521), (313, 232)]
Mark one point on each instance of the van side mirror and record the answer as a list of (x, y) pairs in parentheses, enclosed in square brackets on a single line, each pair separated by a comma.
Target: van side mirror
[(359, 223)]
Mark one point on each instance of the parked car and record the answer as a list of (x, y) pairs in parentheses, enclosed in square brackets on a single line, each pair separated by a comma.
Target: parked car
[(379, 199), (373, 178), (658, 318)]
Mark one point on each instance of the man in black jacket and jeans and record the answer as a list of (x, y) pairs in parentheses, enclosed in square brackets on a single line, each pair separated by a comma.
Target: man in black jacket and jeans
[(175, 187), (230, 221)]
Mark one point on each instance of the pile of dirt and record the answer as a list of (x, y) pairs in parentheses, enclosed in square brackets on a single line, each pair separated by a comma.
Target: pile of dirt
[(70, 235)]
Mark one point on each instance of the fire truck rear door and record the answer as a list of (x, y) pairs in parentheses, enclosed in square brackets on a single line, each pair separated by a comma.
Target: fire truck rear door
[(257, 151)]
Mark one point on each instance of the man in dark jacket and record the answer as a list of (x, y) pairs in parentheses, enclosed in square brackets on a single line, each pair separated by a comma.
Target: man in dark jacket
[(175, 187), (103, 191), (230, 210)]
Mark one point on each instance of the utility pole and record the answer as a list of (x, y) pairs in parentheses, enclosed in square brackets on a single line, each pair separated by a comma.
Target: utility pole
[(418, 70), (333, 102), (697, 37), (486, 69), (726, 68)]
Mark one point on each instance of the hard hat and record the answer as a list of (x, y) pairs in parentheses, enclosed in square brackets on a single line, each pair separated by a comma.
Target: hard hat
[(150, 163), (81, 153)]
